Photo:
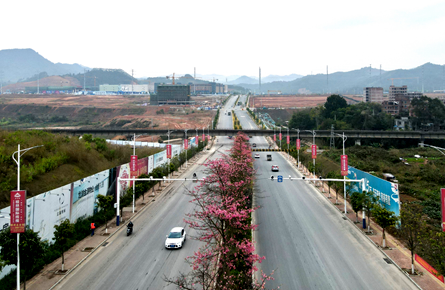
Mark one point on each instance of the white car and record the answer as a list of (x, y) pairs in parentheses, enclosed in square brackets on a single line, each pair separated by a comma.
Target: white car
[(176, 238), (275, 168), (257, 155)]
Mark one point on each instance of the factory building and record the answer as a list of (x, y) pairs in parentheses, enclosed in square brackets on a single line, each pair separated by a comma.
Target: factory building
[(171, 94), (373, 95)]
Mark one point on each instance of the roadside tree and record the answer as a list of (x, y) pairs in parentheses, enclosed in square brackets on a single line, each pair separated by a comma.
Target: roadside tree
[(357, 199), (412, 222), (369, 202), (31, 251), (63, 236), (385, 218)]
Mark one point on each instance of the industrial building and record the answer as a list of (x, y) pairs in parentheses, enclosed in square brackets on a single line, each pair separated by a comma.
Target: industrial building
[(128, 88), (393, 91), (373, 95), (171, 94)]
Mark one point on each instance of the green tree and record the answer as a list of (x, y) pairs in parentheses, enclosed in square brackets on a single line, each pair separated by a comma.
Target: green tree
[(369, 202), (385, 218), (105, 203), (302, 120), (357, 203), (31, 250), (411, 225), (63, 236), (333, 103)]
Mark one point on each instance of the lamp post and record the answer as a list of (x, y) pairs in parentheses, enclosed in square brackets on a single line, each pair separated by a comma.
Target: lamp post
[(185, 130), (298, 149), (134, 153), (19, 154), (168, 143), (344, 177), (313, 144), (280, 137)]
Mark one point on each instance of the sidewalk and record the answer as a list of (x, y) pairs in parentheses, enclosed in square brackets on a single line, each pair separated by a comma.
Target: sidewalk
[(395, 250), (49, 276)]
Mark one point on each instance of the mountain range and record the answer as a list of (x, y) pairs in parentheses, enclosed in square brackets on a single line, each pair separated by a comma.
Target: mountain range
[(19, 64)]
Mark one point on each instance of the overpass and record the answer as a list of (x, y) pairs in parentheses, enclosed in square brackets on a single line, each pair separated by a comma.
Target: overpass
[(180, 133)]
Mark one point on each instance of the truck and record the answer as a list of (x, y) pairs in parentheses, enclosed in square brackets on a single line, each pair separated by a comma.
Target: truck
[(269, 157)]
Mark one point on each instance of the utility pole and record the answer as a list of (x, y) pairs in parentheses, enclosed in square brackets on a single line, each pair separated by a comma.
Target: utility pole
[(132, 81), (332, 142), (327, 79), (260, 82), (84, 81), (194, 81), (185, 130)]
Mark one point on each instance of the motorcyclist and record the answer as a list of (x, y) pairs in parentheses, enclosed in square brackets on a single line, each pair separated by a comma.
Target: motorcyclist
[(130, 225)]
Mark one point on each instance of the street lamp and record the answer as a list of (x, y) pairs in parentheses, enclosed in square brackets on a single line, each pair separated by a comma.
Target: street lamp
[(288, 141), (186, 149), (344, 177), (168, 143), (280, 137), (19, 154), (298, 149), (134, 153), (313, 144)]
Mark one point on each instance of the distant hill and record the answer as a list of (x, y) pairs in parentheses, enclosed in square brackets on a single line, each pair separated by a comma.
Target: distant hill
[(427, 77), (101, 76), (276, 78), (243, 80), (19, 64)]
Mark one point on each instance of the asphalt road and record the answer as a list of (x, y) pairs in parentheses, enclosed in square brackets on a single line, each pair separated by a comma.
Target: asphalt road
[(305, 240), (140, 261)]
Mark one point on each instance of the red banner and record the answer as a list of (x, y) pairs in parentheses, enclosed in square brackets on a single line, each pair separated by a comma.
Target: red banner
[(275, 137), (134, 163), (298, 144), (169, 151), (314, 151), (288, 139), (208, 138), (196, 140), (18, 211), (344, 165), (186, 144), (428, 267), (203, 137), (280, 136), (442, 198)]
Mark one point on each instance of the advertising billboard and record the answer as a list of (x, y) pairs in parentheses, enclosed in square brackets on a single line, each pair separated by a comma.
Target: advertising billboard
[(387, 192), (85, 191)]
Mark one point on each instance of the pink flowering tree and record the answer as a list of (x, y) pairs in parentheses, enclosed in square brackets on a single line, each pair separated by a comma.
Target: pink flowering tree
[(223, 222)]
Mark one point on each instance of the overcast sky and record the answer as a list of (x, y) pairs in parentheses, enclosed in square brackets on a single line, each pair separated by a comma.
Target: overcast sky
[(157, 38)]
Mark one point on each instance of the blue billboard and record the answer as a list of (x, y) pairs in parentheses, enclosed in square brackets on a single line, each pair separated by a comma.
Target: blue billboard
[(387, 192)]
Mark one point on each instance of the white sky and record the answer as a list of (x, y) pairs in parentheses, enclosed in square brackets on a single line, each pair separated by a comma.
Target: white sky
[(157, 38)]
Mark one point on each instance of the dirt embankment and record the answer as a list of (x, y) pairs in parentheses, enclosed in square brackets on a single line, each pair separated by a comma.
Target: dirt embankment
[(98, 112)]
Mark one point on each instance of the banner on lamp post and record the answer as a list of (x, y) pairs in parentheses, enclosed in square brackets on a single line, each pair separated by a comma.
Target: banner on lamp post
[(169, 151), (442, 199), (134, 163), (196, 140), (280, 136), (298, 144), (344, 165), (203, 137), (314, 151), (288, 139), (18, 211), (275, 137), (186, 144)]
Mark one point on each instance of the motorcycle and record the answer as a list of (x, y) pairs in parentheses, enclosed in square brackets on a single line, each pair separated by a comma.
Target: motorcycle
[(129, 228)]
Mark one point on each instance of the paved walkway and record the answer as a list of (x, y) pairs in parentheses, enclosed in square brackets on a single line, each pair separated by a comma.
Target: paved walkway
[(50, 275), (395, 250)]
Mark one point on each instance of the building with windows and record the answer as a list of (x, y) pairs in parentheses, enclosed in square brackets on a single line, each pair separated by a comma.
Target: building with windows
[(393, 91), (373, 95), (171, 94)]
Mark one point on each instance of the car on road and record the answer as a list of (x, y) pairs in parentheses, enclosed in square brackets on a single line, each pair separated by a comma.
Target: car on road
[(176, 238), (253, 144), (275, 168), (257, 155)]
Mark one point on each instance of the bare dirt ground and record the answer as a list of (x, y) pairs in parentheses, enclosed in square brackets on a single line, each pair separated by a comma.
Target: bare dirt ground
[(291, 101), (120, 111)]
